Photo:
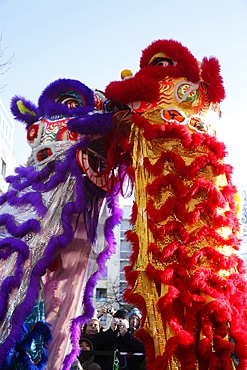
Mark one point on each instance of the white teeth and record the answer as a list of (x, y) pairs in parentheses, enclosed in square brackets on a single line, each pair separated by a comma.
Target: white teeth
[(98, 179)]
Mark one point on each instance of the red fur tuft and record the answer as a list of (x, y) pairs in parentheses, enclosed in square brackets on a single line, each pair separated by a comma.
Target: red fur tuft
[(186, 66), (133, 89), (210, 72), (134, 213), (149, 345)]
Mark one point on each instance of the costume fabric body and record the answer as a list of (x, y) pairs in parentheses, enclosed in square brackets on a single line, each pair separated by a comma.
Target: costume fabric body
[(185, 274), (56, 228)]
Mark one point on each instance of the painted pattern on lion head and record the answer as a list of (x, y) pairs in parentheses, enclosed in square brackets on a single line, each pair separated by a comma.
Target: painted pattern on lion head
[(68, 111)]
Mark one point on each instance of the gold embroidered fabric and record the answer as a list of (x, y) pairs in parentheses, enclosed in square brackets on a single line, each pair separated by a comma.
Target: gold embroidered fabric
[(153, 151)]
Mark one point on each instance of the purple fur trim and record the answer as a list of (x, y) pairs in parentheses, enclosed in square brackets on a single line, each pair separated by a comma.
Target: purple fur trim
[(26, 117), (28, 176), (100, 123), (49, 107), (19, 231), (52, 108), (111, 222), (58, 88), (12, 282), (32, 198), (20, 181), (15, 245), (4, 196)]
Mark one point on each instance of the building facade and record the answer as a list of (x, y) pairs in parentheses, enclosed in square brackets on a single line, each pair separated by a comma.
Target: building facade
[(7, 160), (109, 289)]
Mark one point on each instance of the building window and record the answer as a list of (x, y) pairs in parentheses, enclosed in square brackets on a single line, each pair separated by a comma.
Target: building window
[(125, 225), (123, 264), (101, 294), (125, 255), (125, 246), (3, 167)]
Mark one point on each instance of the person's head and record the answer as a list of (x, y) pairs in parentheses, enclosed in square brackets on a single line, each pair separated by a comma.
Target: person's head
[(92, 328), (85, 345), (135, 319), (86, 350), (121, 315)]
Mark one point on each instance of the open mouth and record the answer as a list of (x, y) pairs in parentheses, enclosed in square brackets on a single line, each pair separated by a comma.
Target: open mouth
[(44, 154), (94, 164)]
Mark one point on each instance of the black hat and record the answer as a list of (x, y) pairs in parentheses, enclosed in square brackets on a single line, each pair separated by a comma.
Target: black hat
[(121, 314)]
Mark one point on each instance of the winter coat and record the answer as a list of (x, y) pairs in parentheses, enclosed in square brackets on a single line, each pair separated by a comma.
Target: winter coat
[(111, 341), (85, 360)]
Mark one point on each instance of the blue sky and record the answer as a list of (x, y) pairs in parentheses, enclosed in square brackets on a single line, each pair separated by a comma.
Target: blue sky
[(93, 40)]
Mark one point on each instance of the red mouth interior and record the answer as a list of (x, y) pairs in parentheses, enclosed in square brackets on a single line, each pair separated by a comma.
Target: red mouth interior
[(44, 154)]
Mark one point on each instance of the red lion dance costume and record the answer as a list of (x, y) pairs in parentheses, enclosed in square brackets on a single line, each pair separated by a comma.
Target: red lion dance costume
[(184, 274)]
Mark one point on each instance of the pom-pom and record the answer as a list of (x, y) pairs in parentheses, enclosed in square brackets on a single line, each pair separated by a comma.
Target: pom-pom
[(126, 73)]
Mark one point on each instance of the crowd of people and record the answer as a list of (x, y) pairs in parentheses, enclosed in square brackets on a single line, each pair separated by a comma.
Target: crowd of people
[(112, 348)]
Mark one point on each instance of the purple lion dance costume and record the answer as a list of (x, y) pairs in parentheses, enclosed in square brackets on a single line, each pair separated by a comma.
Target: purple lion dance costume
[(56, 227)]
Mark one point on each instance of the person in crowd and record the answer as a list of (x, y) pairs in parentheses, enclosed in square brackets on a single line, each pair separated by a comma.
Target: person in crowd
[(85, 360), (108, 313), (135, 316), (118, 338), (91, 329), (102, 312), (134, 320)]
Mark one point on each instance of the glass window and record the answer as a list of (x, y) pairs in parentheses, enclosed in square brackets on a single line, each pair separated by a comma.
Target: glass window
[(101, 294), (122, 234), (125, 246), (124, 255), (125, 225), (122, 276), (123, 264)]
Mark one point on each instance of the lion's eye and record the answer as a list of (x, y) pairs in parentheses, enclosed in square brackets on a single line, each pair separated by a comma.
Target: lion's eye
[(164, 62), (70, 102), (71, 99)]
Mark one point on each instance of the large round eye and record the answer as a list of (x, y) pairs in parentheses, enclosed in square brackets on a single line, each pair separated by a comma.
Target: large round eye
[(71, 100), (164, 62)]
